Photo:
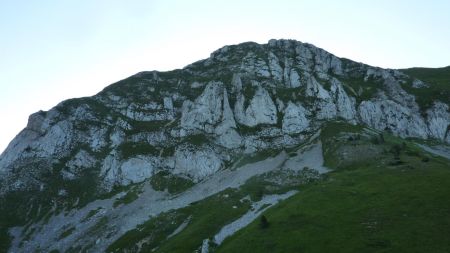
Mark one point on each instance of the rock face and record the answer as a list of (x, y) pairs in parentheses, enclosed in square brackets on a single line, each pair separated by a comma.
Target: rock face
[(261, 110), (294, 120), (137, 122), (211, 113), (345, 105), (198, 120), (206, 111), (438, 117), (388, 115), (230, 98), (196, 163), (136, 170)]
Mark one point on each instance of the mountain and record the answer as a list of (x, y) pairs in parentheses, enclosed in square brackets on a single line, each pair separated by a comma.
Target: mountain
[(187, 160)]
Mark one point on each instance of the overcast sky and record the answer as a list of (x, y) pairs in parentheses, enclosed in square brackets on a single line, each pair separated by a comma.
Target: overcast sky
[(54, 50)]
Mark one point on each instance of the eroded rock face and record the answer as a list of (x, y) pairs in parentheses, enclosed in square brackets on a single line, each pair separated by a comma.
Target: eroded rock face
[(294, 120), (261, 110), (254, 65), (116, 171), (206, 111), (316, 90), (388, 115), (307, 83), (345, 105), (136, 170), (81, 161), (226, 129), (439, 120), (211, 113), (193, 121), (275, 68), (196, 163)]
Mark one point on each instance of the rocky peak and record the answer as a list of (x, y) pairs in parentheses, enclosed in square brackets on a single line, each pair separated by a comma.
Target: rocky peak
[(193, 122)]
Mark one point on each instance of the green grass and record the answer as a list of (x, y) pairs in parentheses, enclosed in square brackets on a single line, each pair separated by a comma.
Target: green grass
[(5, 239), (91, 214), (363, 210), (146, 126), (153, 231), (131, 149), (364, 89), (394, 202), (66, 233), (196, 139), (437, 78), (129, 197), (255, 157), (277, 182), (207, 217), (164, 180)]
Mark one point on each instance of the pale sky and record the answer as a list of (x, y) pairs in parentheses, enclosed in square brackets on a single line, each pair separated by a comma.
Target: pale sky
[(55, 50)]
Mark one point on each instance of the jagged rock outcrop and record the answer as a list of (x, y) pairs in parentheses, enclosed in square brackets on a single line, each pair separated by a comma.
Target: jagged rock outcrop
[(136, 170), (206, 111), (81, 161), (261, 109), (294, 119), (211, 113), (252, 64), (345, 105), (438, 118), (198, 120), (197, 163), (275, 68), (249, 93), (385, 114)]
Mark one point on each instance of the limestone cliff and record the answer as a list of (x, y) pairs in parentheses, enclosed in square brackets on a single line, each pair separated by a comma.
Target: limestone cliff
[(193, 122)]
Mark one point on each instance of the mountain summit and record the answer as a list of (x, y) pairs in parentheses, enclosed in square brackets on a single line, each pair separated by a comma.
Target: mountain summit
[(90, 170)]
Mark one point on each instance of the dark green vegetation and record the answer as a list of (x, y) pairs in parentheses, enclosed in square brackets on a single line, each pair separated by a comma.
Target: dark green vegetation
[(437, 78), (395, 201), (388, 196), (66, 233), (206, 217), (164, 180), (361, 89), (129, 197), (21, 208), (131, 149)]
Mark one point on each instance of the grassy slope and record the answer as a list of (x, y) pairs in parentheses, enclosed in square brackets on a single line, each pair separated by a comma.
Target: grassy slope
[(439, 77), (394, 202), (206, 217), (439, 80)]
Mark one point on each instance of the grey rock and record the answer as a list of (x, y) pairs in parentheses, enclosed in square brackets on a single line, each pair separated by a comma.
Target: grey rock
[(261, 109), (389, 115), (315, 89), (136, 170), (438, 118), (236, 83), (275, 68), (345, 105), (168, 104), (253, 65), (419, 84), (294, 119), (196, 163), (206, 111)]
